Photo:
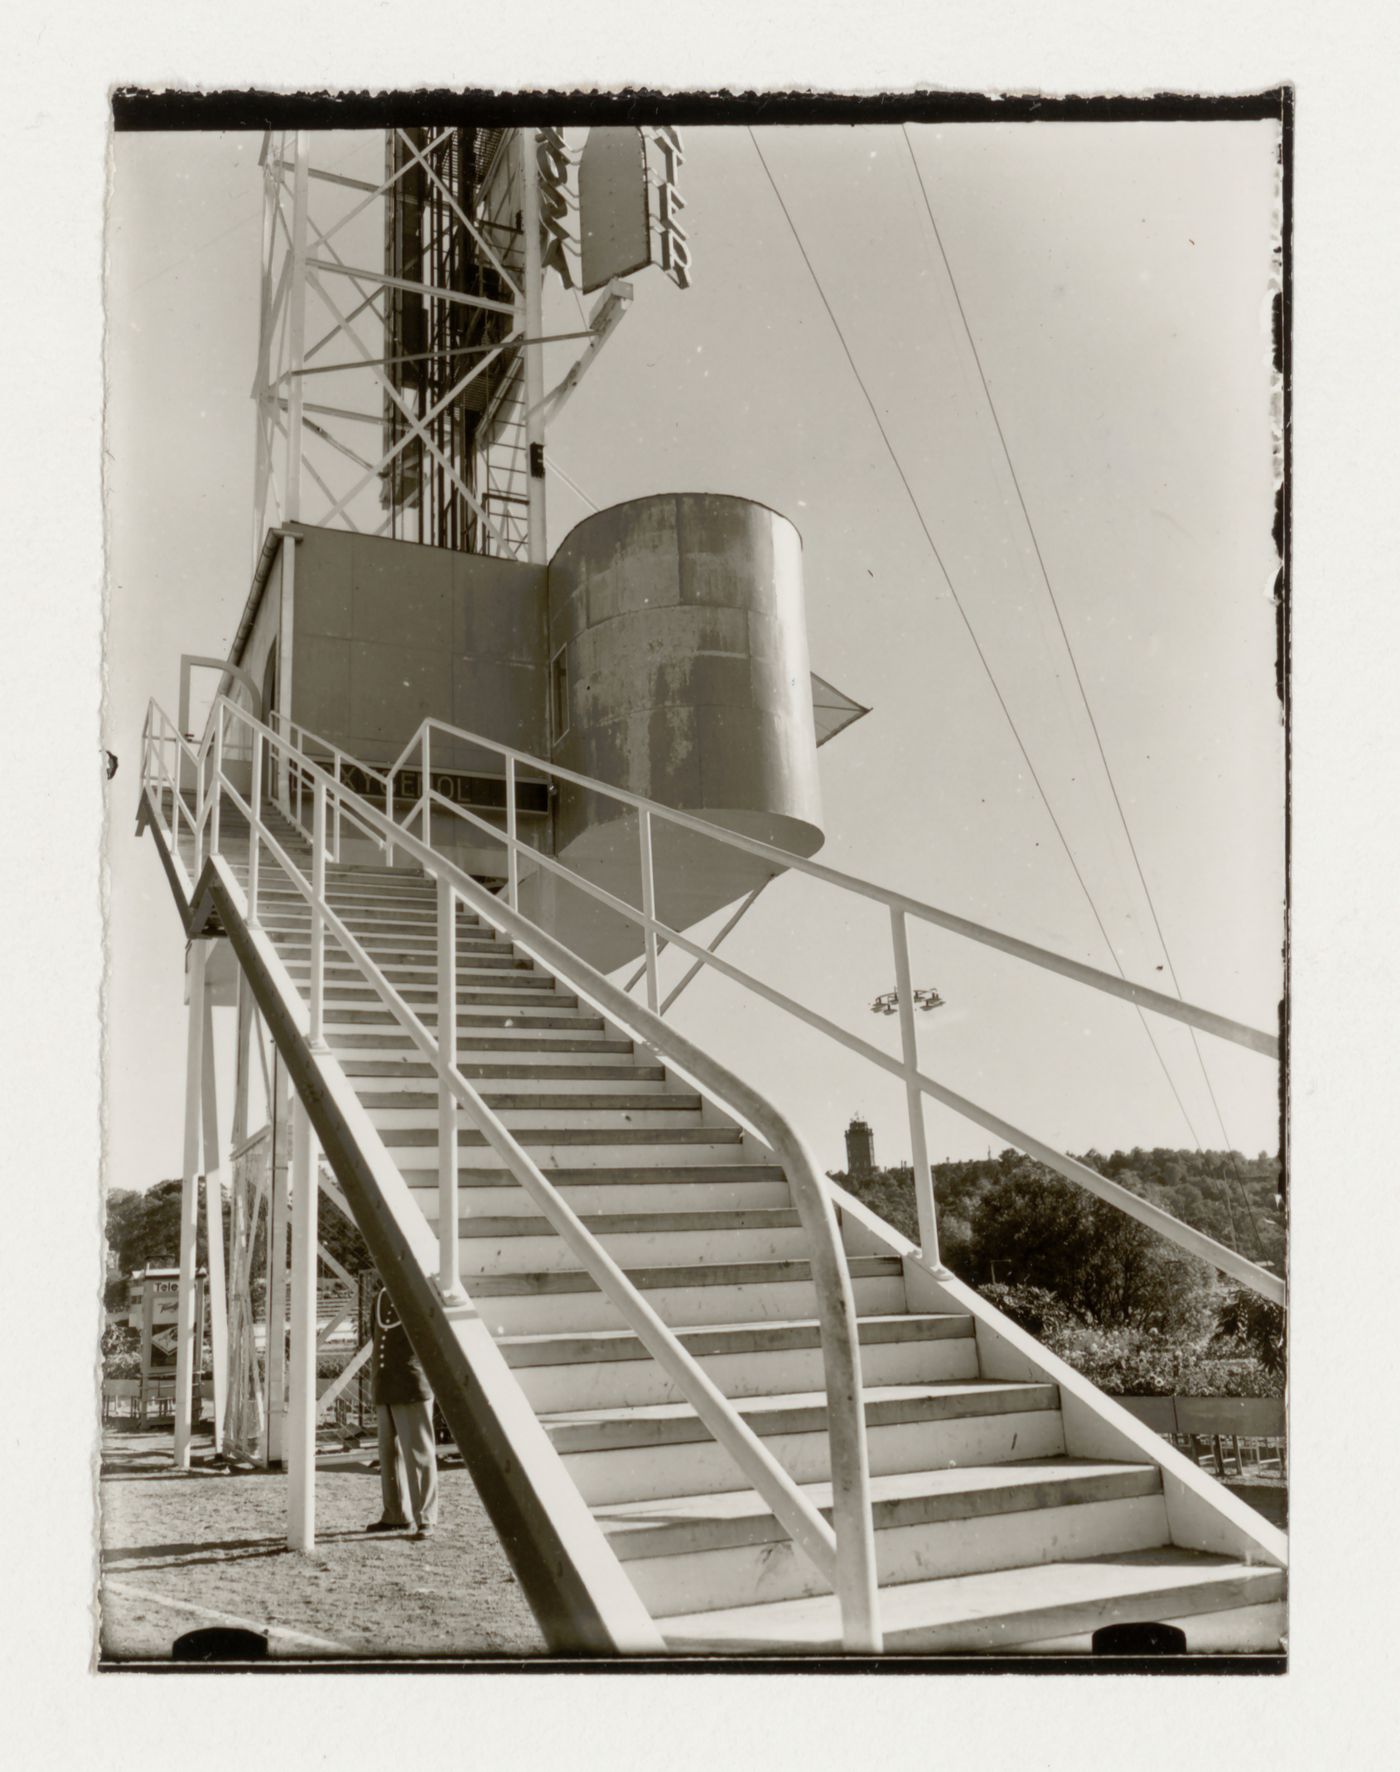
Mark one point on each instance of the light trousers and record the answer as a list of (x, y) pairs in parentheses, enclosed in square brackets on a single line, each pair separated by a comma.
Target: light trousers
[(408, 1463)]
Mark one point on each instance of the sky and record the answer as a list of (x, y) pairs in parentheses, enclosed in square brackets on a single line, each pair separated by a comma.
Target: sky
[(1116, 278)]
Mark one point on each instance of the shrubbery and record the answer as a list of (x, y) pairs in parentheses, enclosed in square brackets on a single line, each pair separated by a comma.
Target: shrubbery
[(1136, 1363), (121, 1352)]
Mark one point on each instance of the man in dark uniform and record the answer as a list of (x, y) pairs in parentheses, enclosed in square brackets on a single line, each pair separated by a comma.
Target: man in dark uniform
[(404, 1406)]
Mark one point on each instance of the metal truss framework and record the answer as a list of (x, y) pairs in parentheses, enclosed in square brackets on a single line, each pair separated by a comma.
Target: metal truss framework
[(400, 400), (251, 1404)]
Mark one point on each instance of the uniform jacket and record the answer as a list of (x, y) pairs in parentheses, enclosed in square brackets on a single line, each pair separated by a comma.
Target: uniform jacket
[(398, 1373)]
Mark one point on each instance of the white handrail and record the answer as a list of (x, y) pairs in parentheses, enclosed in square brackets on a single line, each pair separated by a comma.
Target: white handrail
[(845, 1556), (1207, 1020)]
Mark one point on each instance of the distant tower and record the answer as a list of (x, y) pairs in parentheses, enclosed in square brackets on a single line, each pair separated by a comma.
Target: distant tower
[(860, 1150)]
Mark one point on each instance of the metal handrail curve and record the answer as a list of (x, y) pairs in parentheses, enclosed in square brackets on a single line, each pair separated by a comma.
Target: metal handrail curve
[(842, 1552)]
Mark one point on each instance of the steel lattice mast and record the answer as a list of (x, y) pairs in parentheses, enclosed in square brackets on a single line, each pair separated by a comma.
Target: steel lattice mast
[(393, 388)]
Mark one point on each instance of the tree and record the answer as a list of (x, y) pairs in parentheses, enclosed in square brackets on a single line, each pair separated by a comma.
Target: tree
[(1258, 1323), (143, 1230), (1041, 1231)]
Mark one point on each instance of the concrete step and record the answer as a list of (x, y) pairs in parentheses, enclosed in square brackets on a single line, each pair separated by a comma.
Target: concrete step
[(592, 1147), (391, 949), (290, 910), (524, 988), (391, 953), (1008, 1609), (381, 889), (520, 1070), (418, 970), (719, 1185), (616, 1455), (554, 1125), (399, 910), (518, 1244), (383, 920), (693, 1297), (612, 1370), (703, 1553), (412, 969), (544, 1092), (347, 1017), (542, 1045)]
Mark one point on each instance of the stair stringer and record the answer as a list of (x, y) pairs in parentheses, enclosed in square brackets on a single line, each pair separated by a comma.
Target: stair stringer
[(181, 889), (1202, 1515), (577, 1589)]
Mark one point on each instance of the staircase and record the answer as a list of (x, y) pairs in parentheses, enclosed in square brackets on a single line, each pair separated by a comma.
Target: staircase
[(991, 1534)]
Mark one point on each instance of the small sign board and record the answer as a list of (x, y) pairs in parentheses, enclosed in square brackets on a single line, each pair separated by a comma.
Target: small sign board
[(614, 218), (165, 1291)]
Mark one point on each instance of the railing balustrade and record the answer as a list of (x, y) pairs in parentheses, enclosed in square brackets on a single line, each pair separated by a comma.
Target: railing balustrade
[(843, 1550)]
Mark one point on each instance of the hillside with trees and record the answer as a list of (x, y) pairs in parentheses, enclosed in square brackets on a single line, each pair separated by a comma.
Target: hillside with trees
[(1120, 1303)]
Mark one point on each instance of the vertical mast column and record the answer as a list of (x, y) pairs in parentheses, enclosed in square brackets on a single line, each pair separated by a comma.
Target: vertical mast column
[(534, 328), (296, 324)]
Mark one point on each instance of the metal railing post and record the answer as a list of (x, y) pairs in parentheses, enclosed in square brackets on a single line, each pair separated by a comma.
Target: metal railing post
[(648, 908), (389, 814), (449, 1273), (512, 857), (913, 1095), (254, 841), (181, 812), (424, 820), (200, 794), (161, 779), (162, 774), (337, 805), (318, 915), (217, 748)]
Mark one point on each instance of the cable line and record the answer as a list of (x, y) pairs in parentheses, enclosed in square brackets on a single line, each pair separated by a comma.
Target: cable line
[(971, 631), (1073, 660)]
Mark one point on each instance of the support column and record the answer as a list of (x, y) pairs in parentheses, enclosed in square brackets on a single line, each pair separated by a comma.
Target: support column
[(201, 1307), (533, 290), (185, 1354), (215, 1168), (276, 1341), (296, 325), (301, 1415)]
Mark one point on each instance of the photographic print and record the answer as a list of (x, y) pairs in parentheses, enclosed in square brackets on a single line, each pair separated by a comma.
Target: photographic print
[(696, 727)]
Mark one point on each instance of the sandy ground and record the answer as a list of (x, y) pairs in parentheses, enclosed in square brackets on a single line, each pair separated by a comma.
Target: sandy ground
[(183, 1550)]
